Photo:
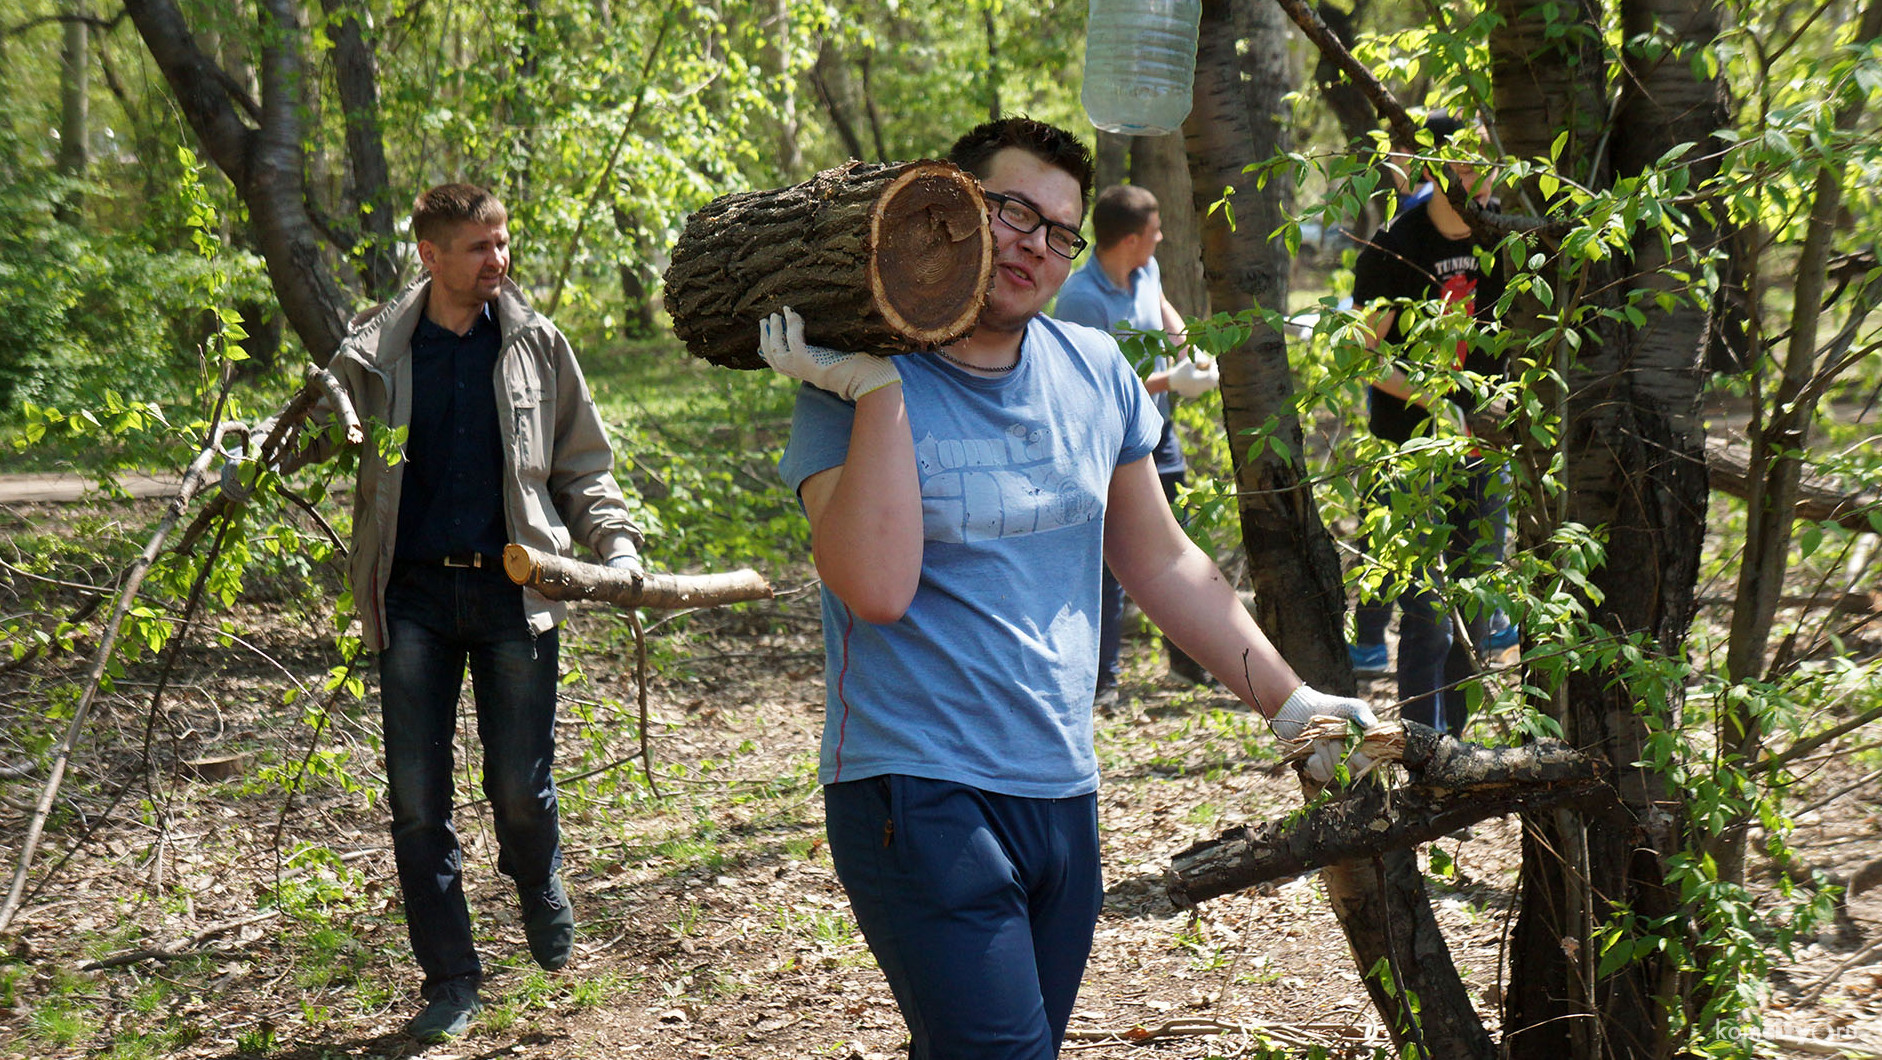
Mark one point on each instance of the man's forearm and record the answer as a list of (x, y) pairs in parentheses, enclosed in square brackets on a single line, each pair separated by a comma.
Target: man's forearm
[(1197, 608), (1183, 592)]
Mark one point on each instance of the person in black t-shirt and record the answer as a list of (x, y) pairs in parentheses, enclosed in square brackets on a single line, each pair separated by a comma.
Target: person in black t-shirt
[(1426, 256)]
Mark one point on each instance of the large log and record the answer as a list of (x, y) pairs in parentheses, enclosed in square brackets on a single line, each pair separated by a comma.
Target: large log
[(877, 258), (1728, 468), (1453, 785), (569, 579)]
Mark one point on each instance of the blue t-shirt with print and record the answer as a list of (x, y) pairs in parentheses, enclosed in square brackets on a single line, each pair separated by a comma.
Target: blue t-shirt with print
[(987, 679), (1090, 298)]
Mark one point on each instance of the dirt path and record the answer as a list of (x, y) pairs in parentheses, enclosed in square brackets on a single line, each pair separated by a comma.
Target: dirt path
[(58, 487)]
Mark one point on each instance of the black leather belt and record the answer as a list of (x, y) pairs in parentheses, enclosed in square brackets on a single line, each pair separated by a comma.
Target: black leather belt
[(469, 559)]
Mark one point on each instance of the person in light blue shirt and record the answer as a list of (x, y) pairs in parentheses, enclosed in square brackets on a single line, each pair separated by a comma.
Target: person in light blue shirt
[(1121, 290), (959, 502)]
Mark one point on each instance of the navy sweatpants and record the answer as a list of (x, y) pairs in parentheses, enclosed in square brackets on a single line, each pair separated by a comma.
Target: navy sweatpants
[(979, 908)]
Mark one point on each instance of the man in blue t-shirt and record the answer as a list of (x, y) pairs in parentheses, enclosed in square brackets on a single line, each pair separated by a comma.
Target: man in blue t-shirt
[(1120, 290), (960, 501)]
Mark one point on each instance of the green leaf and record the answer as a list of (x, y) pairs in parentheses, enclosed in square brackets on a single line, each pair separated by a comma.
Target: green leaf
[(1618, 955)]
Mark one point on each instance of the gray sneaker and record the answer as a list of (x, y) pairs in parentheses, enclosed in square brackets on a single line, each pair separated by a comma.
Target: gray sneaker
[(448, 1012), (548, 923)]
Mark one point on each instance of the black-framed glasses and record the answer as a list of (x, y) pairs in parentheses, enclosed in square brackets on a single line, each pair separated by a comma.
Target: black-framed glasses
[(1022, 217)]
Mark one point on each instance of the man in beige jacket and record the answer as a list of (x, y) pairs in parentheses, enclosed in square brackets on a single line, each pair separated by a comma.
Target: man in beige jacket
[(503, 444)]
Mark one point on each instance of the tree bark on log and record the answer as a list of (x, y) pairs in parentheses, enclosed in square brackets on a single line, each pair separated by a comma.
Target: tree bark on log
[(1728, 468), (877, 258), (1728, 471), (1454, 785), (559, 578)]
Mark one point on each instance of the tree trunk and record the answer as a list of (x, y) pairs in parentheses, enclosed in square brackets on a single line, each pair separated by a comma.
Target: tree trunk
[(356, 77), (521, 118), (790, 151), (74, 107), (868, 63), (1777, 443), (1633, 453), (9, 143), (1299, 597), (263, 163), (1350, 107), (1664, 510), (636, 297), (1160, 164), (828, 77), (882, 259)]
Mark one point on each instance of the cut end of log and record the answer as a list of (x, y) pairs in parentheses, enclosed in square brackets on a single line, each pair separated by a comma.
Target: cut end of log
[(933, 254), (882, 259), (519, 563)]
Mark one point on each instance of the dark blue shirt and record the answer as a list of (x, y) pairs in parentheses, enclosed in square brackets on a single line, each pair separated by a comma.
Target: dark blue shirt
[(451, 501)]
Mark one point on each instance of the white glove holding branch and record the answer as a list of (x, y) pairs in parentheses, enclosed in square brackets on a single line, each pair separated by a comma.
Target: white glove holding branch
[(629, 563), (847, 375), (1194, 378), (1308, 703)]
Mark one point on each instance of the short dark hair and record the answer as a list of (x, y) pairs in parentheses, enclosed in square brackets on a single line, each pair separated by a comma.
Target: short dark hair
[(1122, 211), (1050, 144), (1442, 125), (438, 210)]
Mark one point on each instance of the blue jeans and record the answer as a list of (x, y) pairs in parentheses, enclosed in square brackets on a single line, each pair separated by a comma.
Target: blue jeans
[(978, 907), (1432, 663), (437, 620)]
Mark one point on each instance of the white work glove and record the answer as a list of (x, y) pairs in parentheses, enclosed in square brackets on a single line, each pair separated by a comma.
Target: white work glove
[(1308, 703), (233, 488), (628, 562), (847, 375), (1194, 378)]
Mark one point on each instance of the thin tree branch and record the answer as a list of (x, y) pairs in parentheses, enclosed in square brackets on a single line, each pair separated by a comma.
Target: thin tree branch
[(105, 24), (614, 155), (193, 480), (1488, 227)]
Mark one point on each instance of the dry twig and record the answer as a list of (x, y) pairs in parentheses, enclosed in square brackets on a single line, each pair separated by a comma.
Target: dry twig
[(182, 949)]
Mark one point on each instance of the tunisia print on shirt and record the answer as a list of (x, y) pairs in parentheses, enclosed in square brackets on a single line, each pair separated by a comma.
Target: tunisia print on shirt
[(983, 489), (1460, 292)]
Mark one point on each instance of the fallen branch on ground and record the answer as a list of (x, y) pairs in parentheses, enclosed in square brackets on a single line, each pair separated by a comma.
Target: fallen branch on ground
[(1452, 785), (1728, 470), (1298, 1036), (181, 950)]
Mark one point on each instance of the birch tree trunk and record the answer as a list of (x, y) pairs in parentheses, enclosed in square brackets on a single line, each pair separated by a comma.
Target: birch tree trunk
[(264, 161), (1300, 600), (1161, 164), (1633, 452)]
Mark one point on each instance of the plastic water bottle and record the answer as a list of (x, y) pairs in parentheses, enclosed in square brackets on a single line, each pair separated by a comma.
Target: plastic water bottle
[(1140, 61)]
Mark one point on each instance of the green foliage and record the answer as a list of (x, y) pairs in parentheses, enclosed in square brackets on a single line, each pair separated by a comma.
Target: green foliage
[(696, 450), (103, 322)]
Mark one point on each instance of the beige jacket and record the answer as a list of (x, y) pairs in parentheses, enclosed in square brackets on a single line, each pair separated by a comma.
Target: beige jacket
[(558, 475)]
